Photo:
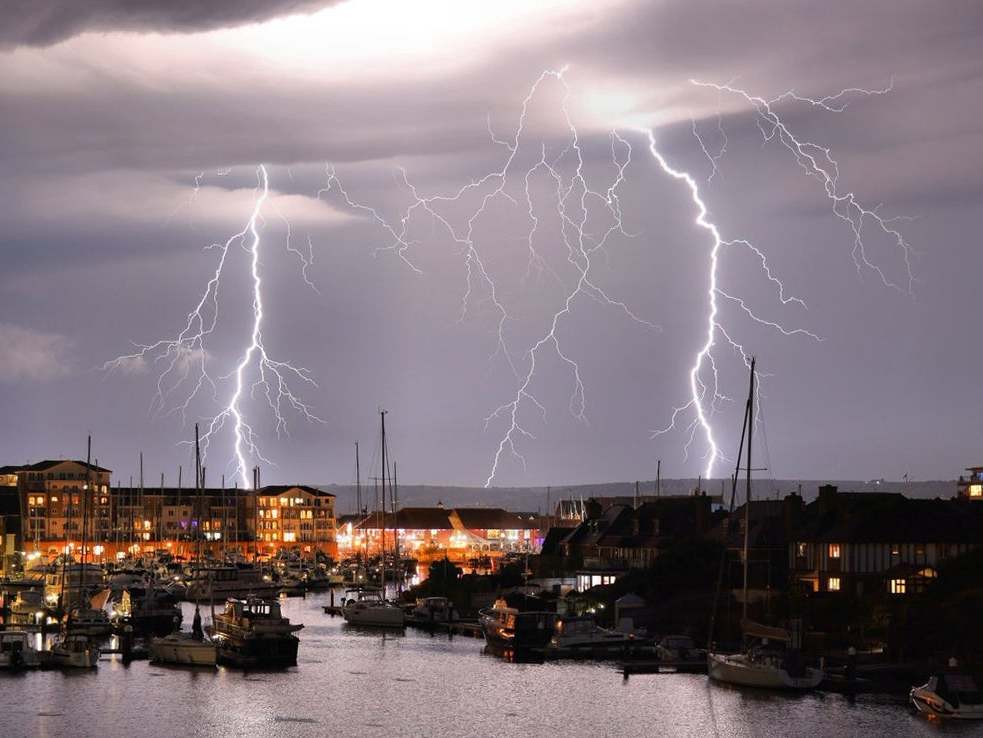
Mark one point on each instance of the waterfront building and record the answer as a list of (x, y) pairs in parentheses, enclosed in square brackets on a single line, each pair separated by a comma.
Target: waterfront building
[(869, 542), (970, 486)]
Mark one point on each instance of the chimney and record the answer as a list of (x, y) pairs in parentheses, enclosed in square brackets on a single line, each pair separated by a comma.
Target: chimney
[(792, 514), (827, 498)]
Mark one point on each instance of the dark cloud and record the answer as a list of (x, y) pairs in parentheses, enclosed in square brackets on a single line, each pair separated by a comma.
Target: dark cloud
[(45, 22)]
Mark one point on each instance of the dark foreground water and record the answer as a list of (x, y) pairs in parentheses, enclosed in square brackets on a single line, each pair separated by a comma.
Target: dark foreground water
[(352, 682)]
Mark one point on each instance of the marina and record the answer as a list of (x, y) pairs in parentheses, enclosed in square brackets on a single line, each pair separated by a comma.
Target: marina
[(376, 683)]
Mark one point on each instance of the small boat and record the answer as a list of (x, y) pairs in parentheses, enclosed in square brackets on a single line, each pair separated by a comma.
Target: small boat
[(507, 628), (73, 651), (252, 632), (183, 649), (16, 651), (680, 648), (434, 610), (220, 582), (582, 636), (368, 607), (148, 610), (949, 695)]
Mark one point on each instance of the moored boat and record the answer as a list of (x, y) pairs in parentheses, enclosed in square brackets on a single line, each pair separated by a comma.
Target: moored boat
[(16, 651), (73, 651), (581, 636), (509, 629), (253, 632), (949, 695), (368, 607), (183, 649)]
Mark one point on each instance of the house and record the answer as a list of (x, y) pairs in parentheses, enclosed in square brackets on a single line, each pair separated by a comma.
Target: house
[(970, 487), (870, 542), (494, 529)]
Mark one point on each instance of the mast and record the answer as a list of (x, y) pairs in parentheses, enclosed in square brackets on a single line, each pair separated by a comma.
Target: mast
[(747, 503), (385, 465), (358, 483), (397, 569), (85, 514), (658, 478)]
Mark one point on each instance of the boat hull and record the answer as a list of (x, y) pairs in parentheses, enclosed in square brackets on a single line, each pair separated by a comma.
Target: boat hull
[(930, 704), (183, 652), (739, 671), (376, 617), (268, 652)]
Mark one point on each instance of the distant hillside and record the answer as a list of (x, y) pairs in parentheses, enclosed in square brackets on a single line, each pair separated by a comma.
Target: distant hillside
[(533, 499)]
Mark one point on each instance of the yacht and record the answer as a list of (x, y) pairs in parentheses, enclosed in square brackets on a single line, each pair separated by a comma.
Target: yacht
[(221, 582), (29, 608), (148, 610), (16, 651), (73, 583), (183, 649), (73, 651), (508, 628), (368, 607), (253, 632), (949, 695), (581, 636), (434, 610), (764, 664)]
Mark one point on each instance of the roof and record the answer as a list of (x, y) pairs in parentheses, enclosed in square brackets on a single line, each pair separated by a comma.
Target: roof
[(891, 518), (646, 526), (10, 469), (49, 463), (279, 489), (492, 518), (409, 518)]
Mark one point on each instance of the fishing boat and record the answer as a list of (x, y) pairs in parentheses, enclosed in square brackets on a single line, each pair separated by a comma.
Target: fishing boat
[(16, 651), (771, 658), (509, 629), (949, 695), (253, 632), (581, 636), (368, 607)]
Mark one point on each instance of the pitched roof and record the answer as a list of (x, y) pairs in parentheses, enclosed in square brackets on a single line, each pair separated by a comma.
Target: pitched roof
[(408, 518), (48, 463), (492, 518), (10, 469)]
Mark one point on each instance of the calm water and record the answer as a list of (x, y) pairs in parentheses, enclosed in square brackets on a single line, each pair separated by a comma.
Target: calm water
[(352, 683)]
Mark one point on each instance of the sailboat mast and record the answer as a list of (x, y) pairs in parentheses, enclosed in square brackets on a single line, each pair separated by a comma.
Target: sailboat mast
[(385, 465), (397, 570), (747, 503), (358, 483)]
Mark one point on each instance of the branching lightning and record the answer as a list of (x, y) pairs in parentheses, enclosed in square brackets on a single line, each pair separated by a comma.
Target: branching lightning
[(184, 358)]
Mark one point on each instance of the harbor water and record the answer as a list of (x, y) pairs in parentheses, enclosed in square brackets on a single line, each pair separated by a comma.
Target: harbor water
[(354, 682)]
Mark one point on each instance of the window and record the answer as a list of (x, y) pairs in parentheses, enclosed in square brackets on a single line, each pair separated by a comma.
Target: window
[(834, 550), (895, 550), (833, 585), (898, 586), (976, 490)]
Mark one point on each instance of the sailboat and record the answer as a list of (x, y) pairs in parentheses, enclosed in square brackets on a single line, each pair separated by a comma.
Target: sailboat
[(771, 658), (179, 648), (369, 607)]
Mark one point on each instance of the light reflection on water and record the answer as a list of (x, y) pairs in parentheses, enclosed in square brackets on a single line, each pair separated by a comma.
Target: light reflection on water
[(355, 682)]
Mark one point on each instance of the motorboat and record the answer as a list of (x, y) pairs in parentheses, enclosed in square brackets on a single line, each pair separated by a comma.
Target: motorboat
[(582, 636), (434, 610), (368, 607), (183, 649), (29, 608), (679, 648), (216, 583), (253, 632), (88, 621), (949, 695), (16, 651), (764, 664), (510, 629), (148, 610), (73, 651)]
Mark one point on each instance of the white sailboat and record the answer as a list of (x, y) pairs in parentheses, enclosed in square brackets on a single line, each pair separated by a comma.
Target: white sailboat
[(368, 607), (769, 660)]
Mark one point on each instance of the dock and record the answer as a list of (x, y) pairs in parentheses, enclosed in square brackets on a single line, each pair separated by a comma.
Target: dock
[(469, 628)]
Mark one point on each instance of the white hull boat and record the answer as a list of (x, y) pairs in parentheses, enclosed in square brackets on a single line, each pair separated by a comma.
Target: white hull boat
[(16, 651), (182, 649), (369, 608), (741, 670), (74, 652), (949, 696)]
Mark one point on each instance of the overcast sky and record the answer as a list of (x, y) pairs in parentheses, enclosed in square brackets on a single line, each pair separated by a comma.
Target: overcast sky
[(130, 142)]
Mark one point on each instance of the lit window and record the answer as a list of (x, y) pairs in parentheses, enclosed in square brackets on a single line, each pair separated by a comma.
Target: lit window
[(54, 499), (834, 584), (898, 586), (289, 537), (895, 550), (976, 490), (834, 550), (802, 550)]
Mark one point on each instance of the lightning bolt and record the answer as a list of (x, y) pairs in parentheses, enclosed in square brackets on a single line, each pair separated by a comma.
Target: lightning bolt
[(184, 358), (574, 199), (817, 162)]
